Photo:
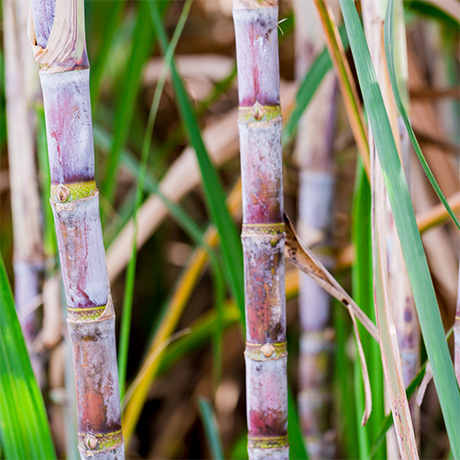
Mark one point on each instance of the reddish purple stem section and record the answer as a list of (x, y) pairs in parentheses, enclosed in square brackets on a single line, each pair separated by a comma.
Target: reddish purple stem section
[(78, 230), (261, 173), (262, 238), (257, 56)]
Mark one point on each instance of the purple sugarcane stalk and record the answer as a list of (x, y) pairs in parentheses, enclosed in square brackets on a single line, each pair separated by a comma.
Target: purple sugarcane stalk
[(316, 193), (263, 237), (58, 39), (25, 197)]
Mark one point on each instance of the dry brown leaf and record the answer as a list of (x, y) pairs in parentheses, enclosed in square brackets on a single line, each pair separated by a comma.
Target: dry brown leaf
[(303, 258), (427, 378), (66, 43)]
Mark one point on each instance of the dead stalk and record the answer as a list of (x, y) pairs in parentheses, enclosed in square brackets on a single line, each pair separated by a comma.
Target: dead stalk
[(391, 284), (25, 197), (316, 191)]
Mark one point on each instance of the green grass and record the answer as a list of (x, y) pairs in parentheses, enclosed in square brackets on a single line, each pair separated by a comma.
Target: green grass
[(213, 191), (129, 288), (364, 296), (24, 429), (414, 255), (389, 52), (211, 428)]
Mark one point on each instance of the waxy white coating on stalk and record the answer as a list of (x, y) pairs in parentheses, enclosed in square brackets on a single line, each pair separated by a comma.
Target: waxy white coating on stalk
[(70, 139), (258, 64), (91, 342), (260, 169), (263, 235), (266, 383), (265, 258)]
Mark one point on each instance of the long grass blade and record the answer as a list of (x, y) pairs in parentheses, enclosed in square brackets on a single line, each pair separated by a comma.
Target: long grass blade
[(414, 255), (389, 53), (211, 428), (446, 12), (346, 82), (129, 288), (142, 43), (24, 429), (214, 194), (363, 294)]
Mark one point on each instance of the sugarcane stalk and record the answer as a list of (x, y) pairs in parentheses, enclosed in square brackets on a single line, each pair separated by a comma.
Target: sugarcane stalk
[(25, 197), (263, 235), (316, 191), (57, 35)]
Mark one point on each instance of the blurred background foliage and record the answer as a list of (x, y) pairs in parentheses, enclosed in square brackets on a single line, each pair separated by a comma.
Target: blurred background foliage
[(185, 395)]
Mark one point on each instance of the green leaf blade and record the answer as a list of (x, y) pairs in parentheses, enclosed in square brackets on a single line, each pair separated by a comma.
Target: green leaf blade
[(414, 255), (214, 194), (211, 428), (24, 428), (389, 53)]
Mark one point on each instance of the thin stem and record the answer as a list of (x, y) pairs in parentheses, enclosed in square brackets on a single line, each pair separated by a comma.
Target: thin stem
[(129, 290), (316, 193), (25, 200)]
